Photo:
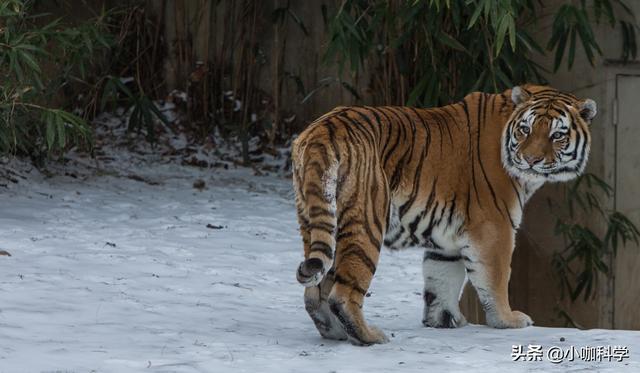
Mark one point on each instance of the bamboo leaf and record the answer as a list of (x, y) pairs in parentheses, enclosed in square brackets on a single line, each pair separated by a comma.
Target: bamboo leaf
[(501, 32), (559, 52), (572, 48), (512, 33), (50, 128), (60, 125), (474, 17), (450, 41)]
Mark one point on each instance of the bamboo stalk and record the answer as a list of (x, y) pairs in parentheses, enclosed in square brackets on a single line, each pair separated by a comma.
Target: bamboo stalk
[(205, 87), (276, 80), (159, 27)]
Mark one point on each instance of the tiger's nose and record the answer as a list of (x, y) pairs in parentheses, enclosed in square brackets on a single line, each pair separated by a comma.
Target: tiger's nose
[(532, 160)]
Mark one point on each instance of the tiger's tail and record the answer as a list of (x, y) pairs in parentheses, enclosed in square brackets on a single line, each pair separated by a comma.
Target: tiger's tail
[(315, 175)]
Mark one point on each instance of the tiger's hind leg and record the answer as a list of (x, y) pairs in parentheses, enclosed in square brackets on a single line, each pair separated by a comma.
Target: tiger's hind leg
[(444, 277), (317, 306), (315, 297), (354, 271), (363, 211)]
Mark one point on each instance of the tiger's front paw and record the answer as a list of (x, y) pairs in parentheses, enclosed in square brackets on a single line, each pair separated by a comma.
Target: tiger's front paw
[(442, 318), (512, 320), (441, 313)]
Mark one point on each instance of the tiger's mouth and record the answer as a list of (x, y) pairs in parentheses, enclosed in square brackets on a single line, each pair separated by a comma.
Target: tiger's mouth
[(540, 168), (547, 171)]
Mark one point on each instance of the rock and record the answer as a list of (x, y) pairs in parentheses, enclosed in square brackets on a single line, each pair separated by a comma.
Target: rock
[(199, 184)]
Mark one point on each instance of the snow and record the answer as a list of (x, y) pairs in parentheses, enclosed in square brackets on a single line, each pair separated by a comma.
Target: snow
[(115, 273)]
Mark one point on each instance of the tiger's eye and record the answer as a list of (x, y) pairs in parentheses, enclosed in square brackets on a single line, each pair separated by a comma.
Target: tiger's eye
[(557, 135), (525, 130)]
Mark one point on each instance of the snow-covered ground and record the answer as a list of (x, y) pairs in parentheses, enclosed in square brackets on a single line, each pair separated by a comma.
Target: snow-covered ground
[(135, 270)]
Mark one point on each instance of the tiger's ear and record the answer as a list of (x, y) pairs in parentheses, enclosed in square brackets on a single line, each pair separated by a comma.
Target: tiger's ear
[(588, 109), (519, 95)]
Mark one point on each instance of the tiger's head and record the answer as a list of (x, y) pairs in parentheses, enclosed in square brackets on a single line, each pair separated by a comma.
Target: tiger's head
[(547, 136)]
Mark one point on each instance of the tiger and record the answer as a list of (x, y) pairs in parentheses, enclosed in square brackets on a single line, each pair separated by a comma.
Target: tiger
[(451, 180)]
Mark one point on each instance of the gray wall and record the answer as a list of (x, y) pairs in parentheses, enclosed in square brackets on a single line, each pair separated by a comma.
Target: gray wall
[(618, 301)]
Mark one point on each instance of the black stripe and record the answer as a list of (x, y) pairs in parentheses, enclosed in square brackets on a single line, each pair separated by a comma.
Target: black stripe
[(315, 165), (513, 224), (468, 203), (416, 177), (342, 281), (429, 297), (367, 120), (430, 255), (471, 157), (376, 219), (332, 139), (342, 235), (358, 125), (432, 196), (451, 210), (515, 189), (322, 149), (313, 191), (319, 225), (317, 211), (426, 234), (323, 247), (401, 129), (384, 153), (482, 119), (360, 254)]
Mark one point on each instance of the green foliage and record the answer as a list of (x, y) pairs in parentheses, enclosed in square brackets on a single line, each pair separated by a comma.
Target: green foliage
[(39, 59), (141, 111), (574, 21), (431, 52), (134, 58), (56, 76), (584, 257)]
